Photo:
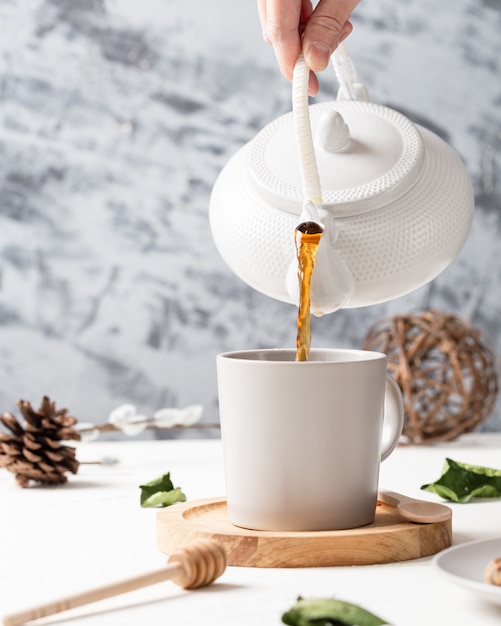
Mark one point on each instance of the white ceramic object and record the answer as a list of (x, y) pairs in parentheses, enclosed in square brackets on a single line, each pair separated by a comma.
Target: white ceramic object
[(465, 565), (303, 441), (395, 199)]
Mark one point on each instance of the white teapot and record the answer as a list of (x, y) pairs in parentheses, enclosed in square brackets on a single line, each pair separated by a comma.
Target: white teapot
[(394, 200)]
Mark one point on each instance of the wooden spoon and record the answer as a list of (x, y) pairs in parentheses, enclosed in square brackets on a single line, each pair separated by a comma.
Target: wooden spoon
[(195, 565), (414, 510)]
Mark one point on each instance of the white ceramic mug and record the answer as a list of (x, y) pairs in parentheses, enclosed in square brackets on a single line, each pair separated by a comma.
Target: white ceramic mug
[(303, 441)]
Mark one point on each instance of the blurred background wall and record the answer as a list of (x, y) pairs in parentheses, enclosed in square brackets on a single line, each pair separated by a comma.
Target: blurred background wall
[(117, 116)]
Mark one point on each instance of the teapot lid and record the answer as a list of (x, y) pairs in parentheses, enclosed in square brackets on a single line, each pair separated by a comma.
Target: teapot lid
[(367, 156)]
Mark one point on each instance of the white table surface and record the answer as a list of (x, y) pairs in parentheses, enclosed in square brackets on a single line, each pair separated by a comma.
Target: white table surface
[(92, 531)]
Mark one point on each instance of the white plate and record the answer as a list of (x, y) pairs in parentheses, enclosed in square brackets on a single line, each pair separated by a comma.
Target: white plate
[(465, 565)]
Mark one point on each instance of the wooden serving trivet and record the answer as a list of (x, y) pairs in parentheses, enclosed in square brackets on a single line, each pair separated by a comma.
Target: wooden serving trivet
[(388, 539)]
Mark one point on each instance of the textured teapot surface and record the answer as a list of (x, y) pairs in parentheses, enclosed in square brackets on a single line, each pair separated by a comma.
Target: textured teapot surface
[(396, 202)]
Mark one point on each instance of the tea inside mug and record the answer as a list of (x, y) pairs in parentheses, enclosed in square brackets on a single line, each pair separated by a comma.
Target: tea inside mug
[(287, 355)]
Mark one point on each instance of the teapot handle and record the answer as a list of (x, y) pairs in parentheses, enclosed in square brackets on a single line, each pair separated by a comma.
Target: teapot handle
[(349, 89), (301, 114), (332, 283)]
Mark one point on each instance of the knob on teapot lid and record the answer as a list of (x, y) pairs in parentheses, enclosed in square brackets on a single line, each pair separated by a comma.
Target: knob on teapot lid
[(367, 156)]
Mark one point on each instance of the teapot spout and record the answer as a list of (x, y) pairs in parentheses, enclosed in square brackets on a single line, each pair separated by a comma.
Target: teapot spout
[(311, 215), (331, 282)]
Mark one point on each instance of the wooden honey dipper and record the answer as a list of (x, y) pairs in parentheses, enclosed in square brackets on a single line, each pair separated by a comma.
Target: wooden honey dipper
[(195, 565)]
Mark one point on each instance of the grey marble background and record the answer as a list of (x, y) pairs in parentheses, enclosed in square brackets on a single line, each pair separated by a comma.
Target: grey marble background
[(116, 117)]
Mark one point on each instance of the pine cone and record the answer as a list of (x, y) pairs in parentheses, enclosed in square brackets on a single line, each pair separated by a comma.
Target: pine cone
[(34, 452)]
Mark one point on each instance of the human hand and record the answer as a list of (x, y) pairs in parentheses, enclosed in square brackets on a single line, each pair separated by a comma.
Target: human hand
[(292, 26)]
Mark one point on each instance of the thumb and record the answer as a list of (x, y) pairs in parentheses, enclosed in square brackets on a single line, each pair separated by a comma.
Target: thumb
[(328, 25)]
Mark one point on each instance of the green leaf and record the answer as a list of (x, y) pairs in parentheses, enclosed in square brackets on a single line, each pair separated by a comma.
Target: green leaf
[(160, 492), (461, 482), (329, 612)]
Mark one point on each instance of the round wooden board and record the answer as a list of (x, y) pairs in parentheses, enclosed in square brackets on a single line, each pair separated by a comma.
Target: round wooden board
[(388, 539)]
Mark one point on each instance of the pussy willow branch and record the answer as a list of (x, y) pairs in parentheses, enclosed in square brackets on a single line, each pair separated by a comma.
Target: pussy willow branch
[(109, 428)]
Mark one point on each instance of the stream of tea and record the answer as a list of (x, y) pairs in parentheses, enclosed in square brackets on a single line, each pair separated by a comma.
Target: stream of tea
[(307, 237)]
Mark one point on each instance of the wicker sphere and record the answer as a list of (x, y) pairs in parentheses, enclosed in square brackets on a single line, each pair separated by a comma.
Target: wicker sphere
[(447, 371)]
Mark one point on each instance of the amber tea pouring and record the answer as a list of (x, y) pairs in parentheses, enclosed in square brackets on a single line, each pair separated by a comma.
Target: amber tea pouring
[(307, 236)]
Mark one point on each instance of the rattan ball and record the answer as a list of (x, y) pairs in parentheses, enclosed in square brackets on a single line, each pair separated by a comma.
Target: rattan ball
[(447, 371)]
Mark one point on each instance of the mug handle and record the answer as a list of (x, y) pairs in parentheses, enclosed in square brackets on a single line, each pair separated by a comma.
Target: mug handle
[(393, 417)]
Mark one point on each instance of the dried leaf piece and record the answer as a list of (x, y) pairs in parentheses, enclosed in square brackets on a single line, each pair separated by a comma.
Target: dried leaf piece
[(461, 482), (329, 611), (160, 492)]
